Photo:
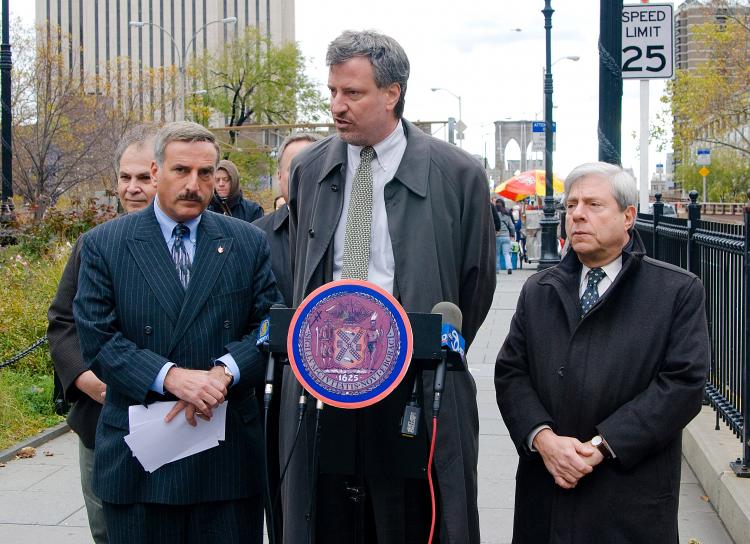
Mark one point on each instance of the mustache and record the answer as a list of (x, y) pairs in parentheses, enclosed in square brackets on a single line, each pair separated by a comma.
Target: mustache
[(190, 197)]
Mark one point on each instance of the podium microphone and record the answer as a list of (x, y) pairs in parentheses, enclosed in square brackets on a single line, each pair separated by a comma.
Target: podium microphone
[(270, 369), (451, 340)]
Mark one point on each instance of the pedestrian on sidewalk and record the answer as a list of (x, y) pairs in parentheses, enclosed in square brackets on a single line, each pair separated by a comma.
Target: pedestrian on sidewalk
[(135, 190), (504, 236), (603, 367)]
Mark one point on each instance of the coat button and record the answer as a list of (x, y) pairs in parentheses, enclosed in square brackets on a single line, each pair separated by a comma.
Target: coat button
[(561, 371), (226, 324), (147, 330), (334, 187), (311, 232)]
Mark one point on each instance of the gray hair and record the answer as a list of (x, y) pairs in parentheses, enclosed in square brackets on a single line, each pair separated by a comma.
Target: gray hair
[(621, 182), (182, 131), (139, 135), (296, 137), (389, 61)]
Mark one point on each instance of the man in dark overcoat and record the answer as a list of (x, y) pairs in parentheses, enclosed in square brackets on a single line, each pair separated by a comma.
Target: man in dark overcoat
[(431, 241), (276, 224), (603, 367), (135, 191), (168, 304)]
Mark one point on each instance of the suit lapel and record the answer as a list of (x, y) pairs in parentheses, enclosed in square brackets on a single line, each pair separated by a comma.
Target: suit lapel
[(155, 263), (211, 252)]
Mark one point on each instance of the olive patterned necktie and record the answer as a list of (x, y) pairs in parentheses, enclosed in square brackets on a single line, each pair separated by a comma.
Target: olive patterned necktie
[(591, 294), (180, 254), (359, 220)]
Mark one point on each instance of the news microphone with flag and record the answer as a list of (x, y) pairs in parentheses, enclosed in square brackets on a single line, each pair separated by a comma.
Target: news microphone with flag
[(452, 341)]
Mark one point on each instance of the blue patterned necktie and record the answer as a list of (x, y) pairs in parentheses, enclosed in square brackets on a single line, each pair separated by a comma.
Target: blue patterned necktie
[(359, 220), (180, 254), (591, 294)]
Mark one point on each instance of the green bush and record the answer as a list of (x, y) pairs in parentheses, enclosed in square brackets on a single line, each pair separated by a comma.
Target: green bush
[(59, 226), (28, 288)]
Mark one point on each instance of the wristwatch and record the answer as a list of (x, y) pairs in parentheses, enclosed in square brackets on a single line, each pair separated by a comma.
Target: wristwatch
[(599, 443), (227, 372)]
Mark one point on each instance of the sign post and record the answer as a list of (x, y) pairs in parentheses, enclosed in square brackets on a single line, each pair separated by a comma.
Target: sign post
[(537, 136), (703, 160), (647, 53)]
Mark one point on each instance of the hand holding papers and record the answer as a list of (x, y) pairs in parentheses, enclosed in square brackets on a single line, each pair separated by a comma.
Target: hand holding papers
[(155, 443)]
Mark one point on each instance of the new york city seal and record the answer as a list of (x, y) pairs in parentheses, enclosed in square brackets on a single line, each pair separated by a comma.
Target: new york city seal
[(350, 343)]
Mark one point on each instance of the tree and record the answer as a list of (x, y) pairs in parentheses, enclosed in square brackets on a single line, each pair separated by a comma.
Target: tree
[(66, 123), (710, 103), (728, 181), (252, 80)]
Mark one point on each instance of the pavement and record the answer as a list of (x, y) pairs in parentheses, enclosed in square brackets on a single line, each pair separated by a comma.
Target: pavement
[(41, 501)]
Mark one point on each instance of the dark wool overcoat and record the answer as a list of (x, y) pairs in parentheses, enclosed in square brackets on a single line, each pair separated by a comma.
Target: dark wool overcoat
[(443, 244), (633, 370)]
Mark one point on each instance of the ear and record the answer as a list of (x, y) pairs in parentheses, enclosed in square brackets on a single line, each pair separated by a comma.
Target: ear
[(393, 94), (630, 214), (154, 171)]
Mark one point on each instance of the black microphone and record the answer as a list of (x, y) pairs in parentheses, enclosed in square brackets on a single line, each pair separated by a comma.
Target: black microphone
[(270, 371), (452, 317)]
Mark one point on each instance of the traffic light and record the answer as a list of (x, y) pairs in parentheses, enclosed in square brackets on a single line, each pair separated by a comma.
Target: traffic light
[(452, 130)]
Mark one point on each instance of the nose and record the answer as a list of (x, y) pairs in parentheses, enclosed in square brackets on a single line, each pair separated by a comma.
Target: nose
[(191, 183), (338, 104), (133, 186), (576, 212)]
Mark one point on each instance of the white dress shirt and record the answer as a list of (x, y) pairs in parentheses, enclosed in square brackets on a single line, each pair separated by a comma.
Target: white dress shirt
[(388, 155)]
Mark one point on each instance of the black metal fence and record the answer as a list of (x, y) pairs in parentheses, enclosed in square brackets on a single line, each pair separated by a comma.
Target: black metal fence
[(719, 254)]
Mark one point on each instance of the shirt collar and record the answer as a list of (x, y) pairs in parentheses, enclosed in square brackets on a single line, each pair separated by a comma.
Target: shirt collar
[(167, 224), (611, 270), (385, 150)]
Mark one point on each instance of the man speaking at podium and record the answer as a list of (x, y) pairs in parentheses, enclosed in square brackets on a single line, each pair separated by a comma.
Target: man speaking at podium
[(384, 202)]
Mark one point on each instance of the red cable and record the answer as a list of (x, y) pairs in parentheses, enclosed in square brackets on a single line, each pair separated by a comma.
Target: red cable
[(429, 477)]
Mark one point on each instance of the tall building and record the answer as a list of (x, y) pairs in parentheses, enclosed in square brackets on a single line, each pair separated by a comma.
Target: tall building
[(100, 31), (689, 53)]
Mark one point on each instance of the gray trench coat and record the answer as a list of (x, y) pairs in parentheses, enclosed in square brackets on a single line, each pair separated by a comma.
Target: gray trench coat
[(443, 244)]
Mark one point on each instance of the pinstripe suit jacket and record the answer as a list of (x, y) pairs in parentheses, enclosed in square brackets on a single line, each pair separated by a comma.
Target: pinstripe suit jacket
[(133, 316)]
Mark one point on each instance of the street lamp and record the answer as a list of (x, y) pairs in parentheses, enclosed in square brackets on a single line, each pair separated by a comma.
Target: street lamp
[(460, 118), (182, 53), (549, 222), (6, 65)]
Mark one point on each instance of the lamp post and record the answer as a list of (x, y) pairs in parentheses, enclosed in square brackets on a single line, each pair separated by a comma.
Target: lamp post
[(182, 53), (7, 153), (460, 116), (549, 222)]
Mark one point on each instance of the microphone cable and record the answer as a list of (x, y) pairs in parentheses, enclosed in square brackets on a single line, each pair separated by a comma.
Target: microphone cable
[(429, 477), (302, 406), (270, 524), (314, 474)]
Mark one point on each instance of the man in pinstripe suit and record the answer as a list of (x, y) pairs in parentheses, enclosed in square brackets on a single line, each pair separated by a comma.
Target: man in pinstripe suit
[(168, 304), (135, 190)]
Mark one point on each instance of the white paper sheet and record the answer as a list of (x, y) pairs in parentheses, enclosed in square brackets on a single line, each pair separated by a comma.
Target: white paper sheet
[(155, 443)]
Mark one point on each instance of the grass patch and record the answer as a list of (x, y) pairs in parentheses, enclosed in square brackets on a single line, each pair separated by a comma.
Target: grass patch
[(26, 386), (25, 405)]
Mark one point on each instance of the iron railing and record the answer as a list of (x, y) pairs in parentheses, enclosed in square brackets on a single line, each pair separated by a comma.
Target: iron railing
[(719, 254)]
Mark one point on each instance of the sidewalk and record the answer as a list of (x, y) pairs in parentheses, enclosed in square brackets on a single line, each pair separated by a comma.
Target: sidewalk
[(41, 501)]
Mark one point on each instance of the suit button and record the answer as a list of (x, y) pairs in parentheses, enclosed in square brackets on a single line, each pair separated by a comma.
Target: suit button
[(312, 233), (147, 330), (226, 324), (334, 187), (561, 371)]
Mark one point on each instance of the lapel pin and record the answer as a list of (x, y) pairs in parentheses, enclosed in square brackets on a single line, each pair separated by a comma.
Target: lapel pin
[(220, 250)]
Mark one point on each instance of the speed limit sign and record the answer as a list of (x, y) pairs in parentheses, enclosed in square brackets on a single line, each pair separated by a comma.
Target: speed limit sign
[(647, 41)]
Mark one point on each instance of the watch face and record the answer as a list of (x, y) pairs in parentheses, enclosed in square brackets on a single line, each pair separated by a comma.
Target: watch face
[(596, 441)]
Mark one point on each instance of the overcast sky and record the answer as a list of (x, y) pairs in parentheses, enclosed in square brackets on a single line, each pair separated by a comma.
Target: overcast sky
[(471, 48)]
